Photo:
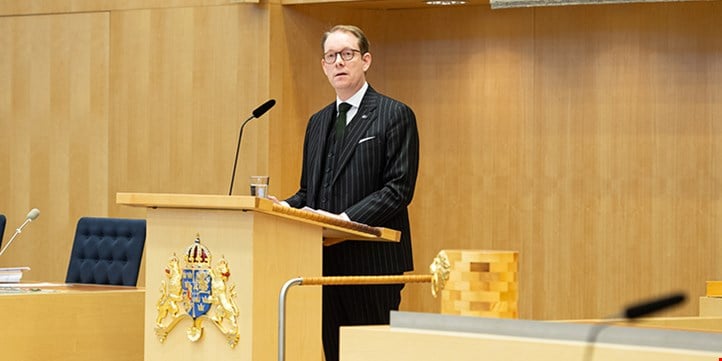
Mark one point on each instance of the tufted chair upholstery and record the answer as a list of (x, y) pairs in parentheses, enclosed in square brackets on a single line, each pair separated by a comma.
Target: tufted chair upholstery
[(2, 228), (107, 251)]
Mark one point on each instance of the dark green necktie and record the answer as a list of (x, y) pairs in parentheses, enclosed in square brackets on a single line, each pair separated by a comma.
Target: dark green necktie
[(341, 120)]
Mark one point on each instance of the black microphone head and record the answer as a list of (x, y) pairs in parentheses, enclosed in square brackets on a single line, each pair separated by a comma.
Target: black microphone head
[(645, 308), (263, 108)]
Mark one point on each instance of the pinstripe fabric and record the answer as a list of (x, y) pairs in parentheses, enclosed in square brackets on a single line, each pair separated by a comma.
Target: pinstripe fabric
[(373, 181)]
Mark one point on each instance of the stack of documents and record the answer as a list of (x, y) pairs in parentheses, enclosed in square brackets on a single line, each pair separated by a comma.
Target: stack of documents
[(12, 274)]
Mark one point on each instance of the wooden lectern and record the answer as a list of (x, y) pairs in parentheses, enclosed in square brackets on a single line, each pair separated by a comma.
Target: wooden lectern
[(265, 245)]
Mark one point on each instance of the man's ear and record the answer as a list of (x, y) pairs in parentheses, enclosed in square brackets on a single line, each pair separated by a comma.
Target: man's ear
[(367, 61)]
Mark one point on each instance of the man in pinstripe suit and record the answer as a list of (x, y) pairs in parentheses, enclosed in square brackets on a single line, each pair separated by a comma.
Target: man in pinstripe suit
[(364, 171)]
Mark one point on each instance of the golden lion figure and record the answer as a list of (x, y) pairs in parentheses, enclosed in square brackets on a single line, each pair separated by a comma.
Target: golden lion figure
[(223, 299), (171, 298)]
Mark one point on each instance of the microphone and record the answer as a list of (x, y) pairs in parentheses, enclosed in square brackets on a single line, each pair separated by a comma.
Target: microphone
[(644, 308), (34, 213), (257, 113), (631, 313)]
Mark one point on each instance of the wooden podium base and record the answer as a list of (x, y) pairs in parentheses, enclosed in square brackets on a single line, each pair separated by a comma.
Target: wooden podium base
[(262, 253), (263, 246)]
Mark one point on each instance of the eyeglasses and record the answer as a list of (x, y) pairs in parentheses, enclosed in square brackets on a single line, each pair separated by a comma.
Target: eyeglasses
[(346, 55)]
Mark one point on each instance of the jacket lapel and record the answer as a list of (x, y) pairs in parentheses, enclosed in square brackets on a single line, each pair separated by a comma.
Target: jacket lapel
[(320, 148), (360, 123)]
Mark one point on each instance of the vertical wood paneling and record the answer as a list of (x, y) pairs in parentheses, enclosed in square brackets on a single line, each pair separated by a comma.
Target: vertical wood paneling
[(54, 72), (617, 110), (182, 82), (14, 7)]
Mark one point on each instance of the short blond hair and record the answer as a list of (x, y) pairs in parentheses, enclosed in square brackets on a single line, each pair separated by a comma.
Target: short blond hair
[(363, 42)]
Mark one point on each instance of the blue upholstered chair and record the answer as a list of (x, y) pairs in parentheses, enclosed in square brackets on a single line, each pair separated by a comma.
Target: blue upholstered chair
[(107, 251), (2, 228)]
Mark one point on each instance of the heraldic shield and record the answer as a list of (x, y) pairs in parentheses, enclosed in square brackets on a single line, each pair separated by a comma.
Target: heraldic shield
[(194, 290)]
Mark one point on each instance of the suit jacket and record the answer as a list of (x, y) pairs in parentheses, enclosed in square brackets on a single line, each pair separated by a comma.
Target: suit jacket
[(373, 181)]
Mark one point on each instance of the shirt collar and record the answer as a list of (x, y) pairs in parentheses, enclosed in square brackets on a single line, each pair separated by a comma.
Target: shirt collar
[(355, 100)]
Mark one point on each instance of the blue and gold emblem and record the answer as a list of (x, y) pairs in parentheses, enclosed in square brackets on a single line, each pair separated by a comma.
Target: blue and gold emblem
[(196, 281), (194, 290)]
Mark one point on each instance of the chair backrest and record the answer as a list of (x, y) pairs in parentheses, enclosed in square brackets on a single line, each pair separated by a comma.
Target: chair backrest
[(107, 251), (2, 229)]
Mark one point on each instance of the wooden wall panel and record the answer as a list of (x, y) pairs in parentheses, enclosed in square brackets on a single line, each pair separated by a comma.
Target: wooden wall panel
[(471, 91), (635, 148), (182, 81), (54, 121), (626, 97), (16, 7)]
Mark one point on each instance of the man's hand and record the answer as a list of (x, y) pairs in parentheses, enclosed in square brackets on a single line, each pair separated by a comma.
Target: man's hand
[(276, 201)]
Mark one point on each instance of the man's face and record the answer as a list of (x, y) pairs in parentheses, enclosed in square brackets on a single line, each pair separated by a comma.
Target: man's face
[(346, 76)]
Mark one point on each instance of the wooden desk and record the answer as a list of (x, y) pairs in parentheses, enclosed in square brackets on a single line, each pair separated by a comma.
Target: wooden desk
[(710, 306), (62, 322), (432, 337)]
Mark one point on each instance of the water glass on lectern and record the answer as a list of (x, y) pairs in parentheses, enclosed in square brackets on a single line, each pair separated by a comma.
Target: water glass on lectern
[(259, 186)]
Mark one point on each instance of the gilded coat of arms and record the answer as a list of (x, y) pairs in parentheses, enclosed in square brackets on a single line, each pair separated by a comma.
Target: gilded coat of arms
[(194, 290)]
